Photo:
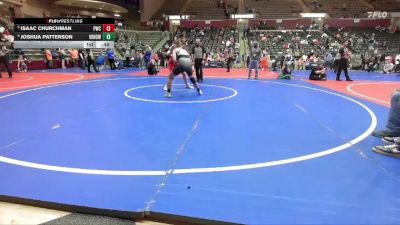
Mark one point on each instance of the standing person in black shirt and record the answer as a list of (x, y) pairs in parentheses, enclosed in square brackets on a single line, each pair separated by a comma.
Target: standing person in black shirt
[(342, 65), (229, 60), (198, 54), (82, 58), (90, 61)]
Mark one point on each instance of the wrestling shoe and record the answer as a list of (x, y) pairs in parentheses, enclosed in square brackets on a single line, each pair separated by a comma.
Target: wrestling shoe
[(391, 140), (390, 150), (165, 88), (189, 87), (200, 92), (168, 94)]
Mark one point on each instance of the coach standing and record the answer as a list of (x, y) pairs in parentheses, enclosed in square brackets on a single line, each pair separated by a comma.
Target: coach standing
[(4, 59), (198, 54), (342, 65), (255, 56)]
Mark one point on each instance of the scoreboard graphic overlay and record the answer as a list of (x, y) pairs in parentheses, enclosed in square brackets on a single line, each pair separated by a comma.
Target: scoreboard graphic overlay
[(64, 33)]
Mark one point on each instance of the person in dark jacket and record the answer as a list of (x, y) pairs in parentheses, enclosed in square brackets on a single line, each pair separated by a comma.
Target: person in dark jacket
[(343, 65), (151, 68), (198, 54), (4, 59), (91, 61), (111, 59), (82, 58), (318, 73)]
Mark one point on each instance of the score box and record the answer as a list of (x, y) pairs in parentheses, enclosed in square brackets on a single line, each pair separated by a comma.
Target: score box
[(108, 27), (104, 44), (108, 36), (89, 44)]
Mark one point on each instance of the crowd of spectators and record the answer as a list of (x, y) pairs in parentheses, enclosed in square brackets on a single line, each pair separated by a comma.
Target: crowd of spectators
[(220, 45), (371, 50)]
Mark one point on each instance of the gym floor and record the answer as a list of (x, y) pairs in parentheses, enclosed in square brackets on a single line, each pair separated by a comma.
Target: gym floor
[(247, 151)]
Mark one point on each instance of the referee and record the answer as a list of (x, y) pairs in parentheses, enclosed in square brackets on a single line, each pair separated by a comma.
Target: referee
[(91, 60), (198, 55), (342, 65)]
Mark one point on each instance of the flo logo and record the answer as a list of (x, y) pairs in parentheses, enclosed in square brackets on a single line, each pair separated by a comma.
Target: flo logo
[(377, 15)]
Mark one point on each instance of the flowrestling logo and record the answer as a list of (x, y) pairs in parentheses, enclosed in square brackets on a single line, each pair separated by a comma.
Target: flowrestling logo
[(377, 15)]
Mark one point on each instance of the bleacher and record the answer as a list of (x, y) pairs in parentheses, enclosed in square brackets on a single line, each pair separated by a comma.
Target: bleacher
[(339, 8), (125, 39), (274, 9), (386, 5), (169, 8), (364, 35), (213, 40), (275, 43), (208, 9), (5, 19)]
